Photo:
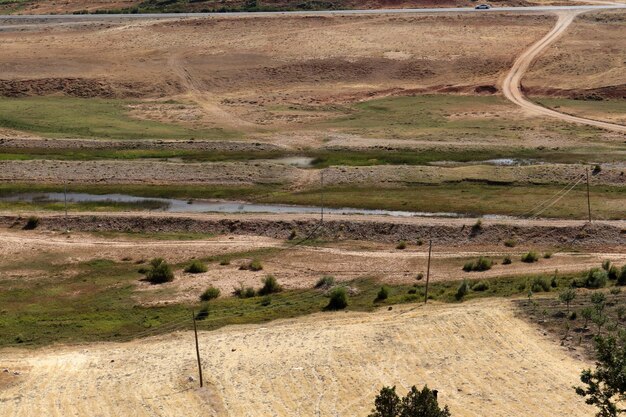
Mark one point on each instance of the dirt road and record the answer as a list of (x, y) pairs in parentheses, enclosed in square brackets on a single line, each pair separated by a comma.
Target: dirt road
[(483, 360), (512, 85)]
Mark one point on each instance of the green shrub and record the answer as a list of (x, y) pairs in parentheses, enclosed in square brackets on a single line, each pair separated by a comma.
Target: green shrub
[(621, 278), (159, 272), (554, 283), (224, 262), (383, 293), (478, 226), (401, 245), (547, 255), (613, 272), (462, 291), (412, 291), (530, 257), (254, 265), (480, 286), (203, 313), (265, 301), (507, 260), (270, 286), (595, 278), (292, 234), (31, 223), (540, 284), (510, 243), (338, 299), (419, 276), (196, 267), (419, 242), (325, 282), (244, 292), (606, 265), (210, 293), (481, 264)]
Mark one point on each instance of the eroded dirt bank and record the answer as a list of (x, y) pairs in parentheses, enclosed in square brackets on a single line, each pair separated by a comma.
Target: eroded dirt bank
[(452, 232)]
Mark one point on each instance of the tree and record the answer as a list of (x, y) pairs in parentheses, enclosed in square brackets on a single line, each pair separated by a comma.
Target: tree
[(422, 404), (387, 403), (567, 296), (587, 314), (416, 403), (605, 387)]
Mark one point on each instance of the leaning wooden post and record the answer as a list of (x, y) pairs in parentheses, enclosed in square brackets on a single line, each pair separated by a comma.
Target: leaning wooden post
[(195, 332)]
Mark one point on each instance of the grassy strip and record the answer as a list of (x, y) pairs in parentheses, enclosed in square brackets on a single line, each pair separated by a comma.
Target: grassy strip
[(321, 158), (468, 198), (97, 303), (60, 117)]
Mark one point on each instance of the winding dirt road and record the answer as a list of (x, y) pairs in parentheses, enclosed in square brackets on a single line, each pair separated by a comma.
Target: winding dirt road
[(512, 85)]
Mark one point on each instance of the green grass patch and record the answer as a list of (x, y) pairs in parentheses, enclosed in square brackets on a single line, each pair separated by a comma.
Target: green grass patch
[(97, 303), (60, 117)]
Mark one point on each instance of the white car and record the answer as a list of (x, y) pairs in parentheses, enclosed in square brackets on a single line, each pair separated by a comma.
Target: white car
[(482, 7)]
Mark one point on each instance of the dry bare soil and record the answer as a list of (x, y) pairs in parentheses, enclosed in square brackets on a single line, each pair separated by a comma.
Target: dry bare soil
[(483, 360)]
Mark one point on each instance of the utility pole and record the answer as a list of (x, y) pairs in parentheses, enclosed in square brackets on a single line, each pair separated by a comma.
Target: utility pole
[(322, 195), (65, 199), (195, 332), (430, 251), (588, 197)]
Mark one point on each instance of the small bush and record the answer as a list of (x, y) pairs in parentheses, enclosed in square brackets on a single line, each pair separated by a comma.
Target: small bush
[(326, 282), (606, 265), (547, 255), (510, 243), (143, 270), (203, 313), (540, 284), (383, 294), (615, 290), (265, 301), (270, 286), (401, 245), (419, 242), (480, 286), (412, 291), (478, 226), (224, 262), (621, 278), (419, 276), (613, 272), (507, 260), (462, 291), (196, 267), (255, 265), (530, 257), (244, 292), (338, 299), (210, 293), (481, 264), (159, 272), (573, 315), (292, 234), (31, 223), (595, 278)]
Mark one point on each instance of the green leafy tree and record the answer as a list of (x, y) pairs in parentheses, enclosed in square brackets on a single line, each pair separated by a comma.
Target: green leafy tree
[(422, 404), (567, 296), (387, 403), (605, 387)]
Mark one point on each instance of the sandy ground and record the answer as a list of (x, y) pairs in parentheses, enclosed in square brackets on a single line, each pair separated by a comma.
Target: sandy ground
[(278, 62), (294, 267), (481, 358)]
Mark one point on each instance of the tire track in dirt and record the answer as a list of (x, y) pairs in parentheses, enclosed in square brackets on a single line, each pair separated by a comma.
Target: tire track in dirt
[(512, 84)]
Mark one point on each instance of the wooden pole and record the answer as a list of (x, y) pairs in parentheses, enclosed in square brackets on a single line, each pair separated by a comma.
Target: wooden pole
[(322, 195), (195, 332), (430, 250), (588, 196)]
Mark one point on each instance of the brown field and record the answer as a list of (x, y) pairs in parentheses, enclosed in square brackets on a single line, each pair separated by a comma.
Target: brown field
[(481, 358)]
